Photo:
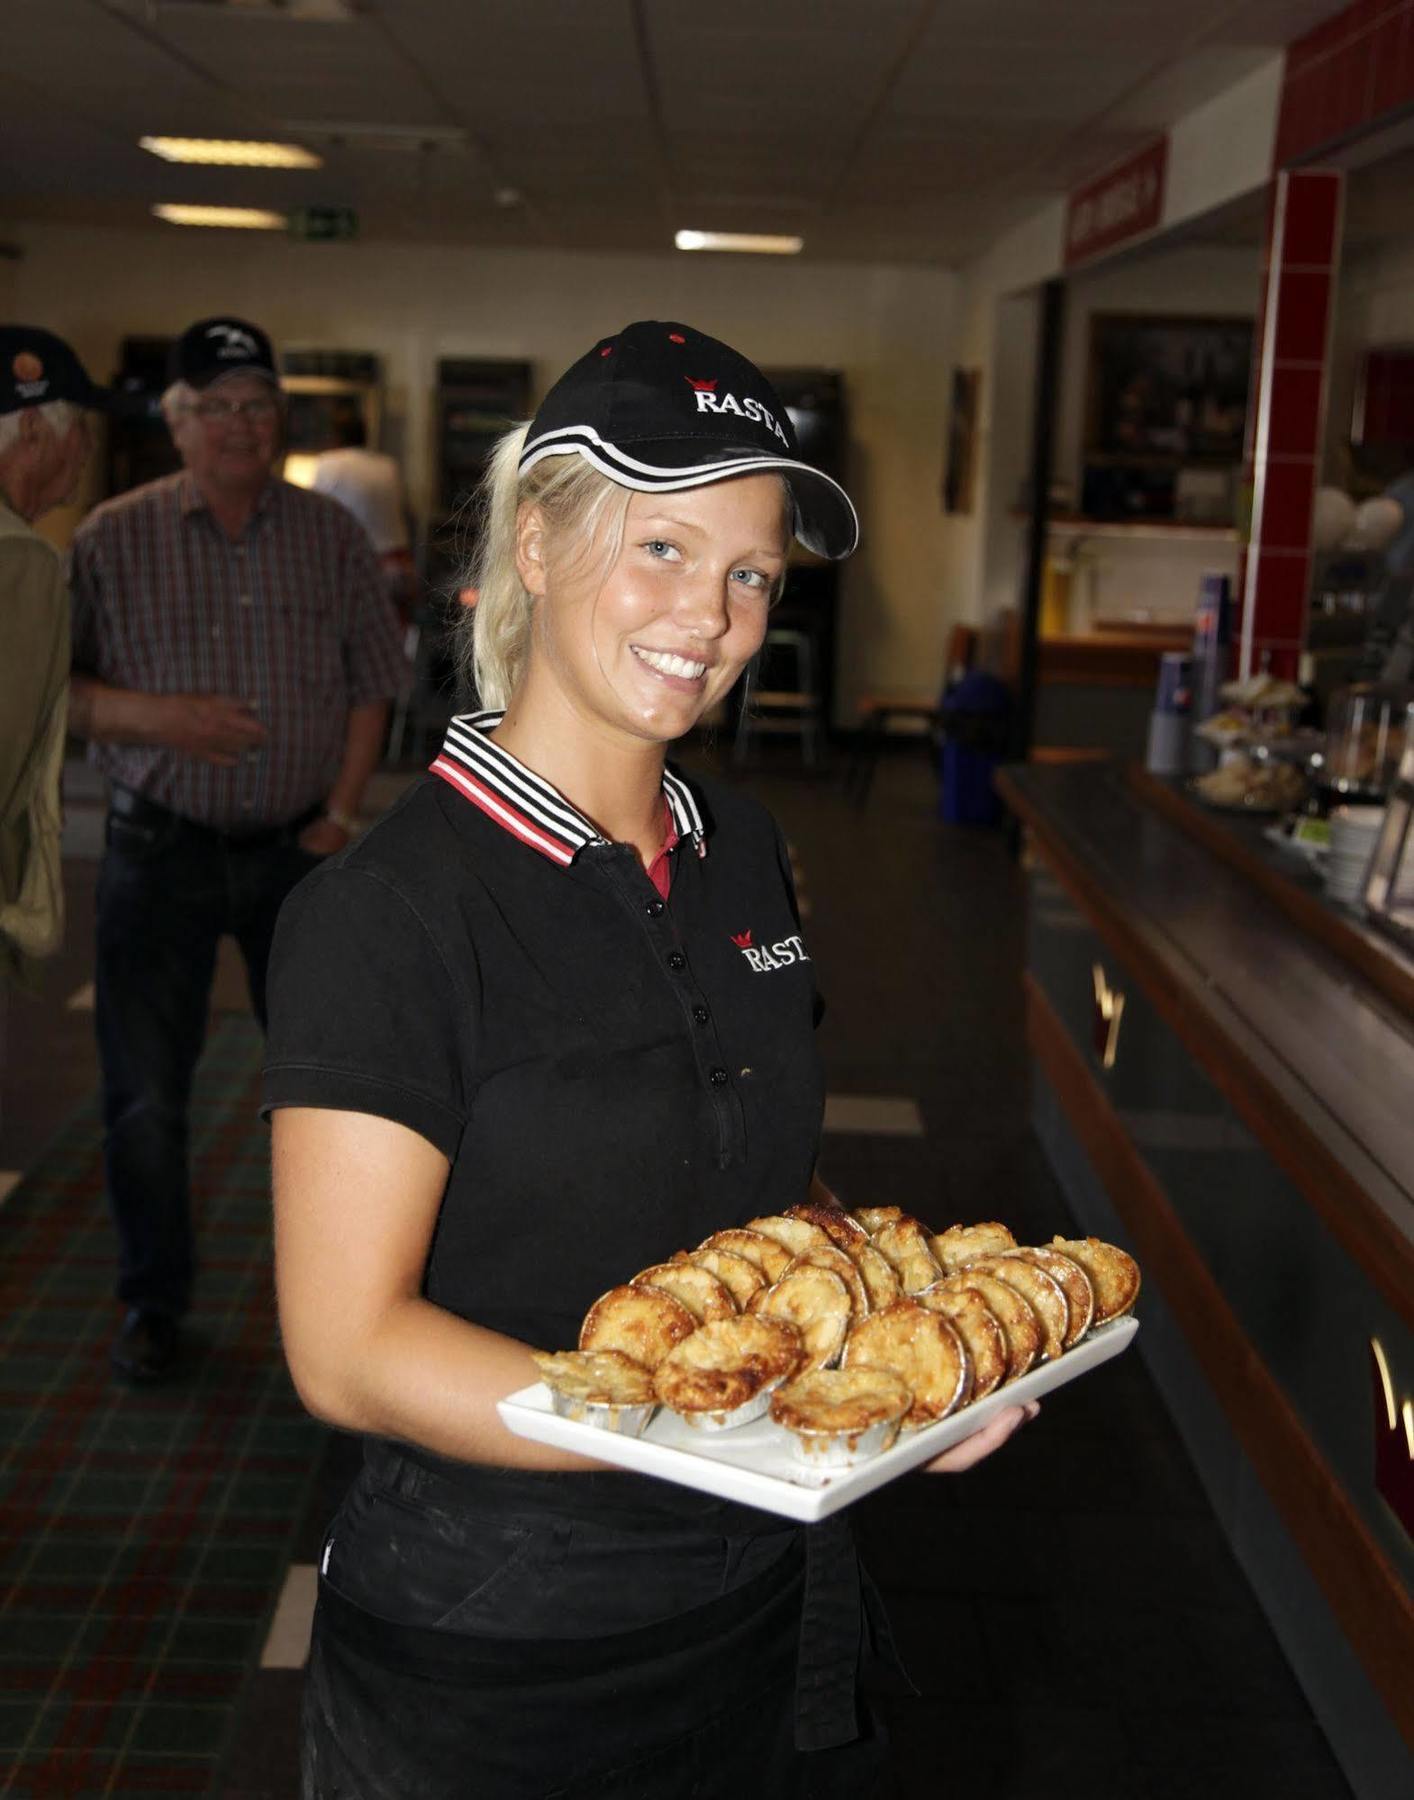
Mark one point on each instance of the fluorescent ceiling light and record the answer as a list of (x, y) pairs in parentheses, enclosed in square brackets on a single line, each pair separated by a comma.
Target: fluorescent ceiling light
[(237, 218), (232, 153), (749, 241)]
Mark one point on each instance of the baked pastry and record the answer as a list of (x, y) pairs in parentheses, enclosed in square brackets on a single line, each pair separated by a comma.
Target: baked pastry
[(699, 1289), (833, 1220), (798, 1235), (840, 1417), (904, 1243), (724, 1373), (961, 1244), (598, 1387), (739, 1277), (816, 1302), (642, 1323), (872, 1217), (1073, 1282), (770, 1257), (922, 1348), (979, 1330), (877, 1273), (1021, 1329), (1047, 1298), (1114, 1274), (835, 1260)]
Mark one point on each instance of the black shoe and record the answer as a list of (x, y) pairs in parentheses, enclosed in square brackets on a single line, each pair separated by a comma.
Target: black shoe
[(148, 1348)]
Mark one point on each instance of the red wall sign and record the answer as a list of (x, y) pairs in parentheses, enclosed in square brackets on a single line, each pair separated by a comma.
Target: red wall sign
[(1120, 204)]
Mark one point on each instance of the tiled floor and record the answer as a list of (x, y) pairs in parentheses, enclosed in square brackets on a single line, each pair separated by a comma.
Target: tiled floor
[(1070, 1611)]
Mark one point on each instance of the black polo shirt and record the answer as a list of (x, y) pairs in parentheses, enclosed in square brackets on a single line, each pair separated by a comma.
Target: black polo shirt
[(612, 1075)]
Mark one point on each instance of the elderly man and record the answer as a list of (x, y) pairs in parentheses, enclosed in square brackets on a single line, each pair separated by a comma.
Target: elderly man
[(234, 654), (44, 443)]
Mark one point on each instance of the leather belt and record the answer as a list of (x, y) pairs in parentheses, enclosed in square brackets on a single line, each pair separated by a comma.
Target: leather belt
[(137, 809)]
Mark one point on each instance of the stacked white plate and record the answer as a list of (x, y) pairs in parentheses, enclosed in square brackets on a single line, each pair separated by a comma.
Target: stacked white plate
[(1354, 831)]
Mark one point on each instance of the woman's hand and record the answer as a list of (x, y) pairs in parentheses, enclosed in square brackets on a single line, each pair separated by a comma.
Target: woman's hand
[(982, 1443)]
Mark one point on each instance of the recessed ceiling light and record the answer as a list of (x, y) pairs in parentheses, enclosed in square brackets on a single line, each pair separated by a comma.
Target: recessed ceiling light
[(236, 218), (232, 153), (753, 243)]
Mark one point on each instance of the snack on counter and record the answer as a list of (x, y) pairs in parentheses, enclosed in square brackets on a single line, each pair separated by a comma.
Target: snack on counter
[(872, 1321), (642, 1323), (599, 1387), (723, 1375), (840, 1417), (1256, 785)]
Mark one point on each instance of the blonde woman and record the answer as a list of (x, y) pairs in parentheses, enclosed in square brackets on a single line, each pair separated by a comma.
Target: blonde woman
[(517, 1053)]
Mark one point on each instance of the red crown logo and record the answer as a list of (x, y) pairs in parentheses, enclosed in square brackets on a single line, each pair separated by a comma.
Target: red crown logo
[(702, 387), (743, 942)]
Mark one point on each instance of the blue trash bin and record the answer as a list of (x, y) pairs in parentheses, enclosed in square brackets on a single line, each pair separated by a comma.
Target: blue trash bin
[(976, 713)]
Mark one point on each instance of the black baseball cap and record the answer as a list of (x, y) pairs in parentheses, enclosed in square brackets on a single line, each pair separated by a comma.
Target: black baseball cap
[(37, 367), (660, 407), (213, 348)]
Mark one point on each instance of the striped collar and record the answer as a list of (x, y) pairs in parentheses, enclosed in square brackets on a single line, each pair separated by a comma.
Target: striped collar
[(525, 804)]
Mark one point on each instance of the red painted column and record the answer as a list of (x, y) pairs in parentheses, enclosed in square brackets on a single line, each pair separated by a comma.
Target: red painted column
[(1302, 257)]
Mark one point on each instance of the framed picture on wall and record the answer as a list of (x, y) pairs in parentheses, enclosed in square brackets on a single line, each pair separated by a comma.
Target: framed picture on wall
[(960, 469), (1171, 390)]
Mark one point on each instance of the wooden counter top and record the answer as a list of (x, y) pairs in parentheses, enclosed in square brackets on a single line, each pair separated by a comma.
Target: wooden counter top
[(1314, 1056)]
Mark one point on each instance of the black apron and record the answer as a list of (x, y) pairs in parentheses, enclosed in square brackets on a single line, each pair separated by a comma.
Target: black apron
[(492, 1634)]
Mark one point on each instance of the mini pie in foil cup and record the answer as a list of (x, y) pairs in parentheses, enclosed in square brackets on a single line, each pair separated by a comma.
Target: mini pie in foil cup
[(603, 1388), (838, 1418)]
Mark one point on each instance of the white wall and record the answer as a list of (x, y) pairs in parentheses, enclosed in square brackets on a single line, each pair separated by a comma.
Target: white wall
[(888, 329)]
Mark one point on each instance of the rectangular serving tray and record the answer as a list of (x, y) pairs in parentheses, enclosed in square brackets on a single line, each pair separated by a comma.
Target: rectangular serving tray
[(756, 1464)]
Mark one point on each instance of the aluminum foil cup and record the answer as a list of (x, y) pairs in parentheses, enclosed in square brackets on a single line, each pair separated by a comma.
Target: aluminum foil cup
[(822, 1454), (628, 1421), (745, 1414)]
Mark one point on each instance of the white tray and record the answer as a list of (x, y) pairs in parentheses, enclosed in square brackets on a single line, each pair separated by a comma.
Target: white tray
[(756, 1465)]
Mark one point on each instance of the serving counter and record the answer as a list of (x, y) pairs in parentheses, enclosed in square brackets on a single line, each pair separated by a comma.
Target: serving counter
[(1223, 1080)]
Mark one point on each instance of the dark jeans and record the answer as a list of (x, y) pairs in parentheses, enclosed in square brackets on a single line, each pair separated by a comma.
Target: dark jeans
[(168, 891)]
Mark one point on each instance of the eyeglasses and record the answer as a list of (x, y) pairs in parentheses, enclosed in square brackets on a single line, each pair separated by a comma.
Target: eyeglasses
[(225, 412)]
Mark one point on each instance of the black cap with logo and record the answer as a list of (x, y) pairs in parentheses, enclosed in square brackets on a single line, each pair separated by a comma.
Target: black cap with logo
[(660, 407), (37, 367), (214, 348)]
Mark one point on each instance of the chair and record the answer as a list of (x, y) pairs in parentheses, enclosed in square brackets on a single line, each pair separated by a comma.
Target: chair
[(877, 711), (786, 655)]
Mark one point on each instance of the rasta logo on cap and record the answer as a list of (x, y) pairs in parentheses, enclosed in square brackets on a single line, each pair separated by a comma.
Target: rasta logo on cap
[(27, 366)]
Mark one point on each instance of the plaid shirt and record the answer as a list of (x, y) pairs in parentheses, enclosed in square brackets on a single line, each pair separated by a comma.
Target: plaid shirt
[(292, 616)]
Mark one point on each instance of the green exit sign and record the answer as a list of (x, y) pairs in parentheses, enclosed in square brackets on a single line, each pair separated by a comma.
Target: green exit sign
[(324, 224)]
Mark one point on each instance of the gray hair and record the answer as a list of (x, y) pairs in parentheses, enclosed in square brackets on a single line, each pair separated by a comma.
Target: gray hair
[(58, 415)]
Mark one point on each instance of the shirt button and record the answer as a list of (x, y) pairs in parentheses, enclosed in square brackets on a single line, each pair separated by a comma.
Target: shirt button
[(653, 908), (677, 962), (215, 631), (701, 1014), (246, 600), (719, 1078)]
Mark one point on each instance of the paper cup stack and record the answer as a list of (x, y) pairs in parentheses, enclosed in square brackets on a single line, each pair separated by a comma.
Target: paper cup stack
[(1354, 830)]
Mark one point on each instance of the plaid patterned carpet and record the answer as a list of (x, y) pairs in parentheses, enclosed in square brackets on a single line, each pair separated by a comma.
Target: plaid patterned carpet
[(143, 1534)]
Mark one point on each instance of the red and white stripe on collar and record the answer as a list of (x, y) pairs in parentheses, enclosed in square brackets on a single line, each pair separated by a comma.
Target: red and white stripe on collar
[(526, 805)]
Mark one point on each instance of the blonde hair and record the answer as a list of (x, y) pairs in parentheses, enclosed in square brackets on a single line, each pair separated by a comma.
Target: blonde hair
[(576, 501)]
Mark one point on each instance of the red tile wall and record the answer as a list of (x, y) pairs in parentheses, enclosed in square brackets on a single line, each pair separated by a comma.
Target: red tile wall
[(1344, 76), (1303, 250)]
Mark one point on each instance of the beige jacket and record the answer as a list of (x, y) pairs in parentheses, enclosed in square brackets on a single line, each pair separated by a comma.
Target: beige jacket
[(34, 698)]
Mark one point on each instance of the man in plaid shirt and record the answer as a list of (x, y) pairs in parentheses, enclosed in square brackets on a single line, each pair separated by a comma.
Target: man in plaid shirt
[(234, 656)]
